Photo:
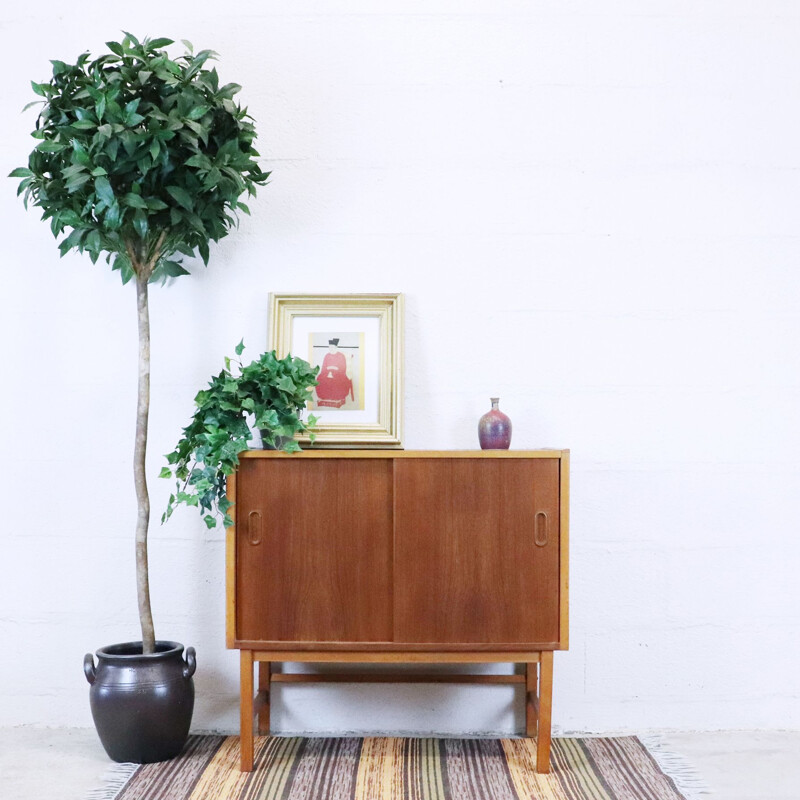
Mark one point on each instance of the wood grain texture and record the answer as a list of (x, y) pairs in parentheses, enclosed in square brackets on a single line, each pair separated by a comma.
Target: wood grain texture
[(246, 700), (545, 712), (564, 553), (396, 647), (263, 710), (467, 568), (322, 569), (230, 567), (409, 657), (402, 454), (399, 557), (531, 698), (393, 677)]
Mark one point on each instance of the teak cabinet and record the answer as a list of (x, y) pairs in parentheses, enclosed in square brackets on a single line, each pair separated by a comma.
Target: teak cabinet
[(399, 556)]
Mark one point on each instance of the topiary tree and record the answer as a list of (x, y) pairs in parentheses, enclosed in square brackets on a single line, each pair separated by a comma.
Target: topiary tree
[(141, 157)]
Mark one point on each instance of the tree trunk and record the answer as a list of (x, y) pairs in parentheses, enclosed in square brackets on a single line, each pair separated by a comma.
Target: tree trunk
[(139, 474)]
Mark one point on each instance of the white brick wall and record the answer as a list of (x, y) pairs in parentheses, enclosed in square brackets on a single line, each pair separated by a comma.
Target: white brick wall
[(593, 211)]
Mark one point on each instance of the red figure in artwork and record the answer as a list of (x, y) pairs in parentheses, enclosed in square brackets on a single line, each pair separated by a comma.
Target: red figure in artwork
[(334, 384)]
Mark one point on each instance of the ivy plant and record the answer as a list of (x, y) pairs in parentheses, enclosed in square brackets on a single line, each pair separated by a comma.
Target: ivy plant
[(268, 395), (144, 158)]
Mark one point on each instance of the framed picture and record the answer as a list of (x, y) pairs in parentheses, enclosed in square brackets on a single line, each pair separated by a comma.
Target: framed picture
[(357, 342)]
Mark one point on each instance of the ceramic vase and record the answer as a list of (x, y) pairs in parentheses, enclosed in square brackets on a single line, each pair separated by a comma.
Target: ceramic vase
[(494, 428)]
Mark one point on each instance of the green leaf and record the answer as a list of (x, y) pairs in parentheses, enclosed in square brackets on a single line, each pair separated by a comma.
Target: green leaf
[(113, 217), (159, 43), (210, 521), (103, 190), (239, 349), (140, 224), (75, 239), (76, 181), (126, 272), (174, 269), (166, 472), (134, 201), (50, 147), (197, 112), (80, 155), (181, 196), (72, 169), (134, 141), (202, 246), (199, 160)]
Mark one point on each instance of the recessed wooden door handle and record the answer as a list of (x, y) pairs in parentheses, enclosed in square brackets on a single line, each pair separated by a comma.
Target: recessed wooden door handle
[(540, 526), (254, 527)]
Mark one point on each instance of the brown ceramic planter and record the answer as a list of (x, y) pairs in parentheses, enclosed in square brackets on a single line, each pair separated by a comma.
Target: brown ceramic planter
[(141, 704)]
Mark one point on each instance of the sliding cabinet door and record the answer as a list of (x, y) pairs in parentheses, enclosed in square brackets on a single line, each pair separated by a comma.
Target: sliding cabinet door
[(476, 551), (314, 550)]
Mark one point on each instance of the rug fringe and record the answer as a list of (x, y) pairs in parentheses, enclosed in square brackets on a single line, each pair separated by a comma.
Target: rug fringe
[(113, 781), (683, 774)]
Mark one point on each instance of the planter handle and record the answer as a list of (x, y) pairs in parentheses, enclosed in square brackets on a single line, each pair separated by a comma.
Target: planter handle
[(191, 663), (88, 668)]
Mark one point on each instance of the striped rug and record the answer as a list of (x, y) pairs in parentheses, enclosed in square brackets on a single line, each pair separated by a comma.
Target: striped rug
[(295, 768)]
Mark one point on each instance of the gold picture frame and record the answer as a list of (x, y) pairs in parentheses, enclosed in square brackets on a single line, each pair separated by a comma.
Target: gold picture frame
[(357, 340)]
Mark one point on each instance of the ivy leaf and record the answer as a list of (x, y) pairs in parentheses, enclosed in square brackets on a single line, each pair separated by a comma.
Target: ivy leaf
[(239, 349), (220, 430)]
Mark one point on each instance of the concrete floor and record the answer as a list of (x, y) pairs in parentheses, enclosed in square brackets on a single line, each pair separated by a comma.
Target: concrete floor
[(66, 763)]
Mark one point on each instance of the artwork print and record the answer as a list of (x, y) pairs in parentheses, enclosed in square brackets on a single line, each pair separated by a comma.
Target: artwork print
[(340, 357), (356, 343)]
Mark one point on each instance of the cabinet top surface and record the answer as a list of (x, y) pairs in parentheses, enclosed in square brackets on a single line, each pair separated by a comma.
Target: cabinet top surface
[(406, 454)]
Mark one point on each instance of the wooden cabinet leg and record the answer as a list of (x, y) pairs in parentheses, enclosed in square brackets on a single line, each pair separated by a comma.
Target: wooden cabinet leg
[(264, 698), (545, 711), (531, 698), (246, 711)]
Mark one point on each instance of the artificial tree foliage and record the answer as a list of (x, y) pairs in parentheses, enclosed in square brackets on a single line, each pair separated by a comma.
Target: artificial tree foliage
[(141, 157), (271, 393)]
